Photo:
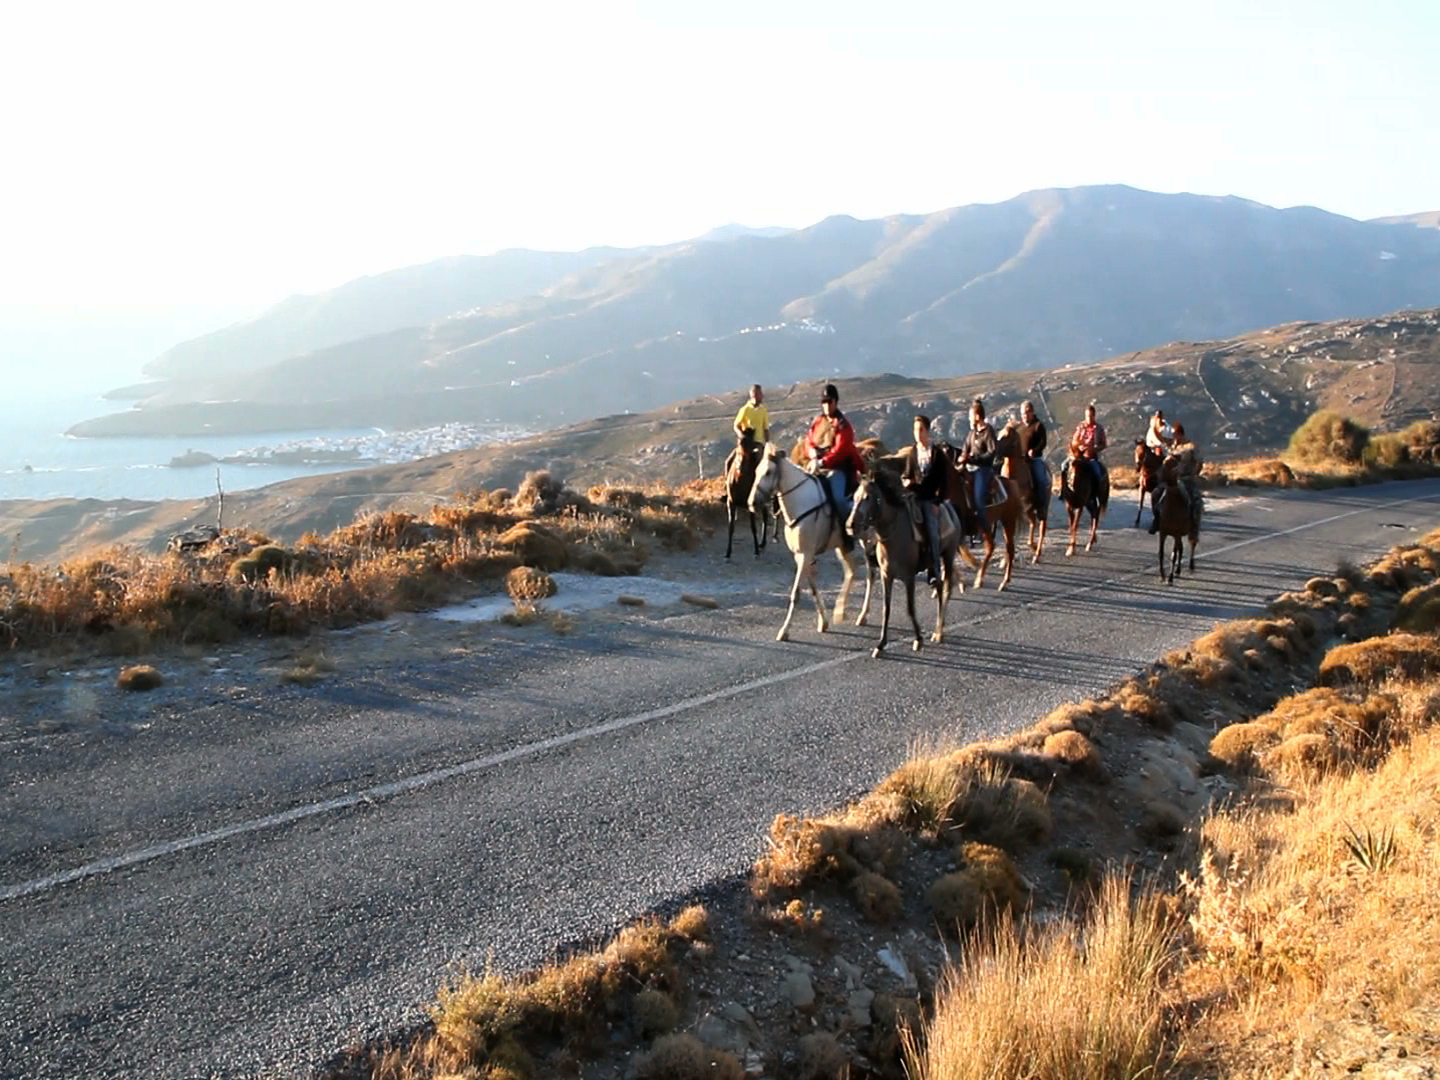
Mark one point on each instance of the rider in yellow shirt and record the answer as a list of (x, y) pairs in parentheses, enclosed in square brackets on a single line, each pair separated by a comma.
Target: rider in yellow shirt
[(752, 422)]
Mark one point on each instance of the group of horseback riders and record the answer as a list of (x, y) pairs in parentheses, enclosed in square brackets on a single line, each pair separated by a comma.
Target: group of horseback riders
[(832, 453)]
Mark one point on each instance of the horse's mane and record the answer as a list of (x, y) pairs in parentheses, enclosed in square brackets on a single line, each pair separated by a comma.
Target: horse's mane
[(888, 484)]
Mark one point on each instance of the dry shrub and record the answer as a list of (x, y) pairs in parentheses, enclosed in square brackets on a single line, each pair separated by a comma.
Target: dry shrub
[(1258, 472), (684, 1057), (1161, 821), (998, 809), (1419, 610), (1238, 745), (1397, 655), (655, 1013), (1101, 985), (535, 545), (1301, 757), (693, 924), (821, 1057), (139, 677), (1076, 751), (1327, 437), (987, 882), (528, 586), (877, 897), (1388, 451), (391, 530)]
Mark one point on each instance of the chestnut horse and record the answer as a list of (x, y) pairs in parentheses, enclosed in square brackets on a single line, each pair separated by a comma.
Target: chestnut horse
[(1177, 520), (1005, 514), (1080, 492), (1147, 474), (1015, 468)]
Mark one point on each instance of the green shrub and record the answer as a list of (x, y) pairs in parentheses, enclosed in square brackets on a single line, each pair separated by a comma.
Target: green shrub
[(1329, 437)]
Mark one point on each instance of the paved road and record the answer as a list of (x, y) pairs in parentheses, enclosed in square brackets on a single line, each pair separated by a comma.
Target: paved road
[(270, 874)]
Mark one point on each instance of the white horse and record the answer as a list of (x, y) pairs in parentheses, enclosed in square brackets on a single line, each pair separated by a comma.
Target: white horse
[(811, 528)]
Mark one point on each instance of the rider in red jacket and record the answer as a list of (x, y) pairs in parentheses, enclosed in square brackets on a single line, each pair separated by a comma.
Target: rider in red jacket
[(830, 444)]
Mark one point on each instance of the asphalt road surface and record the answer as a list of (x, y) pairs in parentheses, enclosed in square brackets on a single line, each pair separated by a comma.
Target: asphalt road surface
[(255, 880)]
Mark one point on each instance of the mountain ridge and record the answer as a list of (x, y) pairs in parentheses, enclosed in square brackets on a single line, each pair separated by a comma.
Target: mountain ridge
[(1052, 275)]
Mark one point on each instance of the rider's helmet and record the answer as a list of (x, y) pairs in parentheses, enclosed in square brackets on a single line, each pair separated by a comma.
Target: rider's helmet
[(830, 393)]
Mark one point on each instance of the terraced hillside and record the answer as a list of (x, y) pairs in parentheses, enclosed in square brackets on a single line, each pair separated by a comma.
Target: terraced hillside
[(1236, 397)]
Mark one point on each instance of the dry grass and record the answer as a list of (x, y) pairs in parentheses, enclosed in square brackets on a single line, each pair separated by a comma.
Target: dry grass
[(490, 1022), (1400, 655), (124, 602), (1100, 984), (1286, 916)]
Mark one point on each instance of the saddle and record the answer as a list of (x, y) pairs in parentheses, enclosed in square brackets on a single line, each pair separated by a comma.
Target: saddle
[(949, 520)]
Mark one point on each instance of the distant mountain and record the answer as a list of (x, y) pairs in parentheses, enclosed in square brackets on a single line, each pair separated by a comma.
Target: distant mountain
[(1430, 219), (1050, 277), (734, 231), (409, 296)]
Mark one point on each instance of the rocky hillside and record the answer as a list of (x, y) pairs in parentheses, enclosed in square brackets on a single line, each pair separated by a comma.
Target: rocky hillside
[(1050, 277), (1236, 397)]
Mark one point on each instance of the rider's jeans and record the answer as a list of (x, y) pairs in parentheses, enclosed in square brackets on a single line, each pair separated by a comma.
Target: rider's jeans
[(980, 477), (836, 479), (931, 513), (1039, 477)]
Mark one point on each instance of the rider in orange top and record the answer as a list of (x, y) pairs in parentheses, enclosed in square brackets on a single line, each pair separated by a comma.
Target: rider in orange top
[(830, 445)]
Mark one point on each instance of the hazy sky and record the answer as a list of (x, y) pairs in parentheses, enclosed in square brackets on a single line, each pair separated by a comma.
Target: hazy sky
[(215, 154)]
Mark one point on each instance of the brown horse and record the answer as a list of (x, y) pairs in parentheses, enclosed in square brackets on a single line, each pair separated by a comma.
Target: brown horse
[(1147, 475), (739, 479), (1015, 468), (1005, 514), (1177, 520), (1080, 493)]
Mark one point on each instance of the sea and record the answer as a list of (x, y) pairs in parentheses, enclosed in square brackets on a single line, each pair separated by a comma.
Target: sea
[(39, 461)]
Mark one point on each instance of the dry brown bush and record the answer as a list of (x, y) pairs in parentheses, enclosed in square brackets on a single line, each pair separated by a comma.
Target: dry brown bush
[(1238, 745), (528, 586), (684, 1057), (1397, 655), (877, 896), (535, 545), (1076, 751), (986, 883), (139, 677), (821, 1057)]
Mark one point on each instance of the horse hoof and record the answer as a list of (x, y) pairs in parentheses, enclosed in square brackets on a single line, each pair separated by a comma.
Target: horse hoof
[(937, 638), (876, 652), (862, 620), (915, 647), (783, 635)]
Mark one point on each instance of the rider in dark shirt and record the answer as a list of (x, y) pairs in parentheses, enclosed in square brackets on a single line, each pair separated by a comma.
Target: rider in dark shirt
[(1033, 438), (978, 459)]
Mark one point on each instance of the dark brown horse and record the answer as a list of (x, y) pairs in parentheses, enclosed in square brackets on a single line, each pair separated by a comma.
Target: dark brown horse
[(1080, 492), (1015, 468), (1178, 519), (880, 510), (1005, 514), (739, 479), (1147, 474)]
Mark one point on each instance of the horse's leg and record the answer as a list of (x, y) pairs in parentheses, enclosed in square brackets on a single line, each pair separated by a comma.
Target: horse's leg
[(1009, 528), (1194, 539), (886, 581), (754, 537), (942, 597), (1040, 544), (822, 623), (869, 581), (843, 600), (910, 609), (1162, 556), (1094, 527), (989, 541), (1074, 515), (1140, 507), (730, 514), (800, 568)]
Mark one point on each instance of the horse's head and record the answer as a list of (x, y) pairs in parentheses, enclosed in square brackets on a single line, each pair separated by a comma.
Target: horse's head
[(867, 506), (767, 476)]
